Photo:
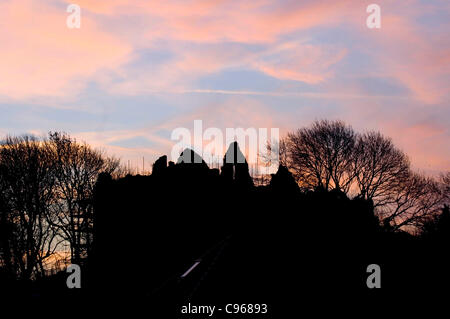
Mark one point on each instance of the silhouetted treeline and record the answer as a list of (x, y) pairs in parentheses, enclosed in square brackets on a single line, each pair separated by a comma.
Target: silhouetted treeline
[(332, 156), (46, 187)]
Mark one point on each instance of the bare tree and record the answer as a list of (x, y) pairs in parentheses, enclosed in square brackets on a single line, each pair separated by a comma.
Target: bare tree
[(321, 155), (275, 151), (412, 202), (46, 199), (330, 155), (28, 188), (379, 168), (445, 187), (77, 169)]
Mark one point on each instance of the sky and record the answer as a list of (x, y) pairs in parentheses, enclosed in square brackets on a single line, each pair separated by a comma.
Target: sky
[(136, 70)]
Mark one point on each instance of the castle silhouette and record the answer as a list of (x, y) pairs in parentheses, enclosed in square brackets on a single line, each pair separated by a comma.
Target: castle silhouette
[(191, 233)]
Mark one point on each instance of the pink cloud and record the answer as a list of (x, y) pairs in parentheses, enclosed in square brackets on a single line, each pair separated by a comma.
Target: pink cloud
[(410, 53), (212, 21), (41, 56), (300, 62), (425, 143)]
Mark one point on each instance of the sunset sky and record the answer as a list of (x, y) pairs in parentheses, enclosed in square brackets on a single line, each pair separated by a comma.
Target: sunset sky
[(136, 70)]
